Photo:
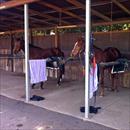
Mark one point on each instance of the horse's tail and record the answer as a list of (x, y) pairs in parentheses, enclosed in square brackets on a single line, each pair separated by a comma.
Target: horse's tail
[(119, 53)]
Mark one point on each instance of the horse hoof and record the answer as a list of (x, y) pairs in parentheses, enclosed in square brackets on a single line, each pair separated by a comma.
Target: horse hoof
[(117, 90), (112, 90), (101, 95), (58, 85), (63, 76)]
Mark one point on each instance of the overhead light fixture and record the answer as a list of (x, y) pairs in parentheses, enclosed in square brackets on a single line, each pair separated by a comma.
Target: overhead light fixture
[(52, 32), (2, 33), (2, 7)]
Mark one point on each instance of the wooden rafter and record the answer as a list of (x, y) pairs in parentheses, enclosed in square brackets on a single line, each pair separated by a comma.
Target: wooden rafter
[(12, 15), (110, 23), (43, 3), (103, 2), (34, 12), (14, 3), (42, 21), (50, 16), (22, 30), (121, 6), (3, 26), (76, 3), (16, 18), (65, 8), (94, 12), (46, 16), (13, 21)]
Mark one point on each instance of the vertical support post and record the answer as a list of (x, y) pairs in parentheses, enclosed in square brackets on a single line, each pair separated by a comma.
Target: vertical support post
[(31, 36), (12, 60), (26, 36), (87, 35), (56, 37)]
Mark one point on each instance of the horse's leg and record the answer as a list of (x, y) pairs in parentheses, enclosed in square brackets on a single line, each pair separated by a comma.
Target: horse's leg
[(42, 85), (59, 78), (117, 82), (113, 82), (33, 86), (102, 81), (62, 72), (112, 79), (115, 78)]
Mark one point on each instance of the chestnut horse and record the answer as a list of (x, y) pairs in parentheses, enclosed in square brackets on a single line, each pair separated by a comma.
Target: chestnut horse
[(107, 55), (39, 53)]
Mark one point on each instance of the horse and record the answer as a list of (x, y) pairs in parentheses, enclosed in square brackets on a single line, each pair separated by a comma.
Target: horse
[(39, 53), (107, 55)]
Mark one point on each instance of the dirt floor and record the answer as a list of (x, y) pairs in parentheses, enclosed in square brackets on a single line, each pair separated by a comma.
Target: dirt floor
[(17, 115), (68, 99)]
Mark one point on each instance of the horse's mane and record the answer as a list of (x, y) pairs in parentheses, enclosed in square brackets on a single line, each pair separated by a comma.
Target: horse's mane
[(95, 47), (31, 45), (34, 46)]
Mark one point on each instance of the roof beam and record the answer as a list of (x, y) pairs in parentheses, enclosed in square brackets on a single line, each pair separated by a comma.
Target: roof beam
[(71, 26), (14, 3), (94, 12), (110, 23), (104, 2), (19, 19), (66, 8), (77, 3), (121, 6), (46, 16), (32, 12), (22, 30), (42, 21), (3, 26), (13, 15), (61, 10)]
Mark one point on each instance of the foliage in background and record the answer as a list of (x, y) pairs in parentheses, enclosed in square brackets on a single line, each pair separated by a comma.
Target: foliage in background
[(103, 28), (114, 27)]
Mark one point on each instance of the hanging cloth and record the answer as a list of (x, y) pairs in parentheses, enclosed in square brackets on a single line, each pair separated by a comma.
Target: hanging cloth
[(37, 71), (93, 80)]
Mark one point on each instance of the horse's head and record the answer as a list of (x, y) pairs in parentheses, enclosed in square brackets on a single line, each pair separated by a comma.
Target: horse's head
[(18, 45), (78, 47)]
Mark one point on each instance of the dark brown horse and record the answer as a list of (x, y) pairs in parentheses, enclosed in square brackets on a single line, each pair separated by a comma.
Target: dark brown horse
[(39, 53), (107, 55)]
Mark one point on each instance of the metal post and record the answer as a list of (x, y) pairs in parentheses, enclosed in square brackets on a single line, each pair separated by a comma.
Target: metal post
[(87, 35), (12, 60), (26, 35)]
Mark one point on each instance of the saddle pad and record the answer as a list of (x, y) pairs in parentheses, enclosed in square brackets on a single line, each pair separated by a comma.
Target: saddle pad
[(120, 68)]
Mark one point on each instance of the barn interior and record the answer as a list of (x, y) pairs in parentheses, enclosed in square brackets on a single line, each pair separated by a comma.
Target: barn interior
[(58, 17)]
